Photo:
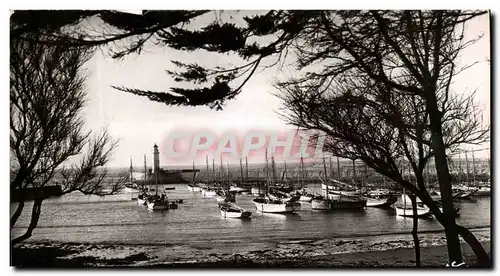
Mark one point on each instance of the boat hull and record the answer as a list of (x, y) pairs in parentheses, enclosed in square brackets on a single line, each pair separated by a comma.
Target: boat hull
[(305, 198), (194, 189), (157, 206), (333, 190), (322, 204), (141, 201), (266, 207), (380, 203), (208, 193), (408, 212)]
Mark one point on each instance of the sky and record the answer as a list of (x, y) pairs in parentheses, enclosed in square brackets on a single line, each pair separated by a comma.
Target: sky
[(139, 123)]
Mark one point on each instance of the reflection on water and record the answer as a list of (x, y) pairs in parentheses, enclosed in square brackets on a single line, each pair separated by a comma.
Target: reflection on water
[(118, 219)]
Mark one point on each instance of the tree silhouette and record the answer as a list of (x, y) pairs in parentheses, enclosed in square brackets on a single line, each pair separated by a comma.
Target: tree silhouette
[(47, 130)]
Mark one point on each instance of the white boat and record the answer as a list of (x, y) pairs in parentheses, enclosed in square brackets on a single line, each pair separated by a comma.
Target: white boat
[(237, 189), (231, 210), (408, 211), (193, 188), (205, 192), (405, 209), (320, 204), (483, 191), (141, 201), (306, 198), (266, 205), (334, 190), (380, 202)]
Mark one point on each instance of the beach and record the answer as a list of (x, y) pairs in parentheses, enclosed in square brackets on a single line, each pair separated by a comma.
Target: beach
[(335, 253)]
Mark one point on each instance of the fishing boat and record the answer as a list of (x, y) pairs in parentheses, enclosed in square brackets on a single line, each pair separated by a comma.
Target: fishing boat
[(231, 210), (341, 188), (156, 202), (141, 199), (483, 191), (381, 202), (193, 187), (405, 208), (407, 211), (208, 192), (275, 194), (267, 205), (237, 189), (273, 204)]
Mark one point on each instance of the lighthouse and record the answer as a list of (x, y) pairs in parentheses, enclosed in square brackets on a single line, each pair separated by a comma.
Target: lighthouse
[(156, 159)]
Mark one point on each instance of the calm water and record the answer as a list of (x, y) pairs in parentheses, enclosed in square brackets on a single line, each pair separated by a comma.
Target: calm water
[(197, 222)]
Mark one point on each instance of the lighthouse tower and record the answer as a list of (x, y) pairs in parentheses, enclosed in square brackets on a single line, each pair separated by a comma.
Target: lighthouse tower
[(156, 159)]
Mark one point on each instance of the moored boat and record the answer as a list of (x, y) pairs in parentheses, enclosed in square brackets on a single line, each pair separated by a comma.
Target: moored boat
[(231, 210), (157, 203), (381, 202), (407, 211), (267, 205)]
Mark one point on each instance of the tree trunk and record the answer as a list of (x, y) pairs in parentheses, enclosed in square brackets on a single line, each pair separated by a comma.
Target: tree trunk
[(35, 216), (414, 232), (481, 255), (483, 258), (19, 209), (454, 250)]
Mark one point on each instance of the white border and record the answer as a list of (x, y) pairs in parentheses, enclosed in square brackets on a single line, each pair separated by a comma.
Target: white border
[(189, 4)]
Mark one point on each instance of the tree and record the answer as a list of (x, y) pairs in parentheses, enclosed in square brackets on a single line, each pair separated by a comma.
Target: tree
[(386, 129), (413, 52), (47, 130)]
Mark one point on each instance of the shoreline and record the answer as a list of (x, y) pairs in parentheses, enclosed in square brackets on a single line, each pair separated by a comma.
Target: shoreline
[(397, 251)]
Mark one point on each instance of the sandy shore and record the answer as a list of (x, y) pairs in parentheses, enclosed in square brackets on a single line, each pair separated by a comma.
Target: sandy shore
[(376, 251)]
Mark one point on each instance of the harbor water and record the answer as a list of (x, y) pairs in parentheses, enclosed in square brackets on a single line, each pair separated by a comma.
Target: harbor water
[(118, 220)]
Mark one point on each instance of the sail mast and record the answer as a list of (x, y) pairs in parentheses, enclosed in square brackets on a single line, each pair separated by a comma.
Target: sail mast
[(228, 181), (267, 173), (208, 170), (145, 173), (221, 173), (246, 169), (326, 181), (213, 172), (241, 172), (131, 171)]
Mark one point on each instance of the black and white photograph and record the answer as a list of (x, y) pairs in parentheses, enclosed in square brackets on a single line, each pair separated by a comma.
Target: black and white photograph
[(253, 138)]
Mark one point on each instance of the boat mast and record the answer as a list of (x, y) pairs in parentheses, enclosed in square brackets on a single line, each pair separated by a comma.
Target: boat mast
[(131, 171), (241, 172), (274, 170), (301, 178), (330, 166), (473, 170), (326, 179), (246, 169), (338, 168), (208, 170), (145, 173), (228, 183), (283, 179), (267, 173), (467, 166), (221, 173), (213, 172)]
